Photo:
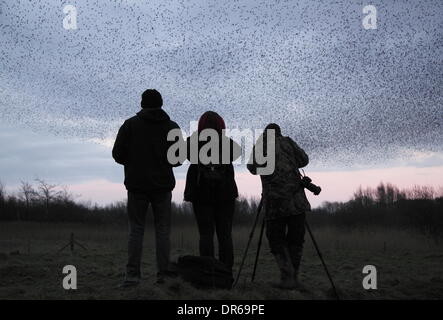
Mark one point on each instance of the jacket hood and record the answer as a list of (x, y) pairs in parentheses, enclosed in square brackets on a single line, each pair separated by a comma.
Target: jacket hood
[(153, 114)]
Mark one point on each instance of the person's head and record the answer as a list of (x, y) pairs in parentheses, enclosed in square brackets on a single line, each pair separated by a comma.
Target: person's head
[(151, 98), (211, 120), (275, 127)]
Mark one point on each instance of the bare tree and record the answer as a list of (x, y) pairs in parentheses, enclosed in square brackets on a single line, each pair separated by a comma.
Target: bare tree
[(47, 193), (421, 192), (65, 195), (392, 194), (380, 194), (2, 191), (331, 207), (364, 197), (27, 193)]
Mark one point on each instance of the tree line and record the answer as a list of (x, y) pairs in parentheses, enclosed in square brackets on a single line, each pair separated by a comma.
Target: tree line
[(45, 202), (419, 208)]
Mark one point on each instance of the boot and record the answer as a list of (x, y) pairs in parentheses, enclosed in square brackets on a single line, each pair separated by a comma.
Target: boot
[(130, 281), (286, 271), (295, 253)]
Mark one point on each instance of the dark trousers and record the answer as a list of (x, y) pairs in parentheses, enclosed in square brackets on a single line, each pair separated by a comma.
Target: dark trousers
[(286, 233), (138, 204), (217, 218)]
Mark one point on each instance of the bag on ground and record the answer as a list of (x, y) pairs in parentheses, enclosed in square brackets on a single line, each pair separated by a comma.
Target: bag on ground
[(204, 272)]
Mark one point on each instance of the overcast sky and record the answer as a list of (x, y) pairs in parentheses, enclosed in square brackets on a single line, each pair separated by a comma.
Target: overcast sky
[(356, 100)]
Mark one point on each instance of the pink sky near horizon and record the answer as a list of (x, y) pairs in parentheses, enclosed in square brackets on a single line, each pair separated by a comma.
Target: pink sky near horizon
[(336, 185)]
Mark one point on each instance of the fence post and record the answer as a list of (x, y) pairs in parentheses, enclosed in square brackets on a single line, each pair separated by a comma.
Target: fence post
[(72, 242), (181, 241)]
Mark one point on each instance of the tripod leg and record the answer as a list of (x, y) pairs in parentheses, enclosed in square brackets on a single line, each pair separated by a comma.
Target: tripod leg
[(258, 249), (80, 245), (64, 247), (251, 235), (322, 261)]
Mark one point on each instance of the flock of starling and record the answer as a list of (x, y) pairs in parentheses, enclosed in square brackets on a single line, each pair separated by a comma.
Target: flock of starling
[(348, 95)]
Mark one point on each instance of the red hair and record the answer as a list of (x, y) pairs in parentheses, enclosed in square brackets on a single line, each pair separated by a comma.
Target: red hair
[(211, 120)]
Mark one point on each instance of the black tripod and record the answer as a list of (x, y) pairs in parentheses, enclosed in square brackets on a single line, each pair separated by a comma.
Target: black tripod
[(251, 235), (322, 261)]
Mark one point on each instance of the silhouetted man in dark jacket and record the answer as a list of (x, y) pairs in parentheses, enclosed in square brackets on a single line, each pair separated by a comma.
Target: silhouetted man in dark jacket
[(142, 146)]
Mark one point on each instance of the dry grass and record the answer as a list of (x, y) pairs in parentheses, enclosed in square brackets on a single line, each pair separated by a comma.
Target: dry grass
[(409, 265)]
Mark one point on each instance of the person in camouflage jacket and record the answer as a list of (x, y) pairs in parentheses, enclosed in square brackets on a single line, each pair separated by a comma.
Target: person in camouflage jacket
[(284, 203)]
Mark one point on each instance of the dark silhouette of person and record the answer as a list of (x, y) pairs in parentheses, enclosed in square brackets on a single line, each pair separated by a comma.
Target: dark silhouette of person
[(212, 189), (285, 204), (141, 146)]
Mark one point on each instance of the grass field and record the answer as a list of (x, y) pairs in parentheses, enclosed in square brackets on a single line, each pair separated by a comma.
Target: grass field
[(410, 266)]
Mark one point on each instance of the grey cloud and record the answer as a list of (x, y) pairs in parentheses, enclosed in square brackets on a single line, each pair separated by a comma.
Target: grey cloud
[(26, 155)]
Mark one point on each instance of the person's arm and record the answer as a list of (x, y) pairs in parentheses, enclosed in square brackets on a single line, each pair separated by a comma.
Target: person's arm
[(300, 155), (188, 148), (252, 163), (120, 151), (193, 148), (252, 167), (259, 149), (179, 140)]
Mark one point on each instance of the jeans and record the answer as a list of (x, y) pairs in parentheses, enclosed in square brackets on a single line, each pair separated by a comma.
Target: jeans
[(216, 218), (138, 204)]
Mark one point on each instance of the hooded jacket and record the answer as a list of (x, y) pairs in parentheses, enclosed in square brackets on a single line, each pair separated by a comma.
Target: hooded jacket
[(141, 146)]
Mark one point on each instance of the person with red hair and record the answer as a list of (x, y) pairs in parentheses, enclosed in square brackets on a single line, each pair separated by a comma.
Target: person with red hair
[(211, 120), (212, 190)]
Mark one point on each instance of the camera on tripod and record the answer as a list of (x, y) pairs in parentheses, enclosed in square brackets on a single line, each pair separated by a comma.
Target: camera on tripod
[(307, 183)]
